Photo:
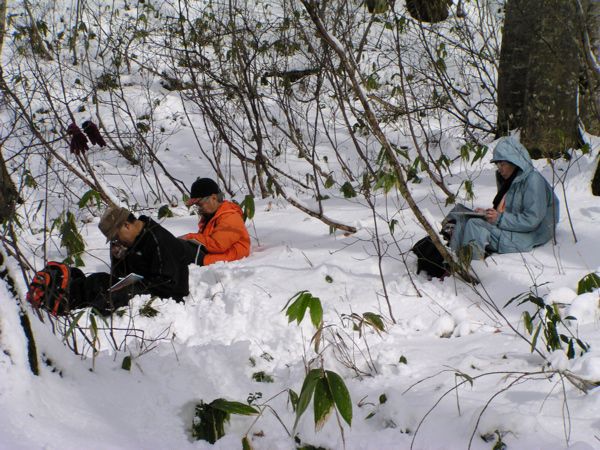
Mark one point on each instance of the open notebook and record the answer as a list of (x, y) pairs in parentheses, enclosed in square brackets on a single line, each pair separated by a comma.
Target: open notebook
[(470, 214), (130, 279)]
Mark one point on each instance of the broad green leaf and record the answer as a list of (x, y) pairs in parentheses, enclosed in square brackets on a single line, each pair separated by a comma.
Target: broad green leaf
[(322, 403), (340, 395), (571, 350), (392, 225), (535, 337), (317, 339), (93, 326), (382, 399), (552, 336), (328, 279), (316, 311), (469, 189), (29, 180), (538, 301), (585, 347), (372, 82), (464, 152), (246, 445), (528, 322), (248, 207), (329, 181), (233, 407), (588, 283), (164, 211), (308, 387), (348, 190), (73, 324), (71, 239), (293, 399), (374, 320), (296, 295), (480, 152), (297, 309), (126, 364), (89, 196)]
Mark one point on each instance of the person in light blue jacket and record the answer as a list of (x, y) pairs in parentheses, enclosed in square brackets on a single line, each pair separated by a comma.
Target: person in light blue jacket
[(524, 214)]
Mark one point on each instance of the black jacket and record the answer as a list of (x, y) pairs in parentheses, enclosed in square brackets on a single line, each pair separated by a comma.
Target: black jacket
[(159, 257)]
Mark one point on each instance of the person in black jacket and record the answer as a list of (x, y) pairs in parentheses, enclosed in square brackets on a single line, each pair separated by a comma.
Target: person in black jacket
[(137, 246)]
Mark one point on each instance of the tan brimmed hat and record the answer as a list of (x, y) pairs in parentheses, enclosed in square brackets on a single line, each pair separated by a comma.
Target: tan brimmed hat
[(111, 221)]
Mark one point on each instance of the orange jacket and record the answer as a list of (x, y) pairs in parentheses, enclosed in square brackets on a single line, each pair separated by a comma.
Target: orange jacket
[(224, 236)]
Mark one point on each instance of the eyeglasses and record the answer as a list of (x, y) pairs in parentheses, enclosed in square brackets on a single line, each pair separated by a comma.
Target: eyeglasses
[(502, 163), (201, 199)]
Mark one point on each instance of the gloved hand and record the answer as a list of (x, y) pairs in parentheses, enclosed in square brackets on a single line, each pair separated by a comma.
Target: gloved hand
[(93, 133), (78, 140)]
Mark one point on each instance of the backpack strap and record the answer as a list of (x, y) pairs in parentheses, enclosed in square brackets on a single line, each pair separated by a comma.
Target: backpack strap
[(64, 283), (37, 288)]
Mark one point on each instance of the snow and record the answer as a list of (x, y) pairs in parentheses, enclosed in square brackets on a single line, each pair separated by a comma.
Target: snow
[(234, 315), (452, 363)]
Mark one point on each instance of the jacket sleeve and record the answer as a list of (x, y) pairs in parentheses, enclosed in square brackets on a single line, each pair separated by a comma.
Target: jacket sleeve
[(162, 280), (192, 237), (229, 230), (534, 205)]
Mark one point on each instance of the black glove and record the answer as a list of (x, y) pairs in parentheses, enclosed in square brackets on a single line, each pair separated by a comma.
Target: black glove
[(93, 133), (78, 140)]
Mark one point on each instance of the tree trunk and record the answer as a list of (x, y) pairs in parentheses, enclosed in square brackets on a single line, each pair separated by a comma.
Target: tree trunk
[(431, 11), (2, 22), (8, 200), (8, 192), (589, 98), (538, 75), (514, 65)]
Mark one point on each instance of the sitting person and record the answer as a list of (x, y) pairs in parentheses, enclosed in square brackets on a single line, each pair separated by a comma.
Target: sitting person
[(140, 246), (524, 214), (222, 234)]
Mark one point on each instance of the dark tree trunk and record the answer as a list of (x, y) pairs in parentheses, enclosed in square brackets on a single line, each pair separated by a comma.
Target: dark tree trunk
[(431, 11), (596, 181), (25, 323), (514, 65), (538, 75), (8, 199), (8, 192), (589, 101), (589, 98)]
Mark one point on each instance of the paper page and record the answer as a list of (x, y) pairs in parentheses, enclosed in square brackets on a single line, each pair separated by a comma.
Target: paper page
[(124, 282)]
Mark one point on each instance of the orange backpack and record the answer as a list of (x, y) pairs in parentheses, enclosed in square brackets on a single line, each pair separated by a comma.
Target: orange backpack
[(50, 287)]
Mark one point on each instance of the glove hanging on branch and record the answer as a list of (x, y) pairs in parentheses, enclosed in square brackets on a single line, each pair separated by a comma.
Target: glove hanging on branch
[(78, 140), (93, 133)]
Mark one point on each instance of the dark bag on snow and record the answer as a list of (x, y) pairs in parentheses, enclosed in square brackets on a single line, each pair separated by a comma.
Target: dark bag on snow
[(51, 287), (429, 259)]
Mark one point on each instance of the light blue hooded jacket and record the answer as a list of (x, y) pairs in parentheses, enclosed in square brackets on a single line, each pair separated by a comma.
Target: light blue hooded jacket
[(530, 215)]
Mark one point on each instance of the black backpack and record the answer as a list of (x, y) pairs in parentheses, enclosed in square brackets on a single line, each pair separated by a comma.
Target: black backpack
[(429, 259), (50, 288)]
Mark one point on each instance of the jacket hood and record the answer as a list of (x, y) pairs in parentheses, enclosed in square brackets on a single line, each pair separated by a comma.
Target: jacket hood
[(228, 207), (511, 150)]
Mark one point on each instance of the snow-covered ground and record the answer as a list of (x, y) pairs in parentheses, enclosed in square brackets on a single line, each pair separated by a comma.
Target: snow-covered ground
[(232, 326)]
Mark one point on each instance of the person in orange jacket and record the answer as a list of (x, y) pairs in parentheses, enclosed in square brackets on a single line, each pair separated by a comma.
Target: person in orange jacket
[(222, 234)]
